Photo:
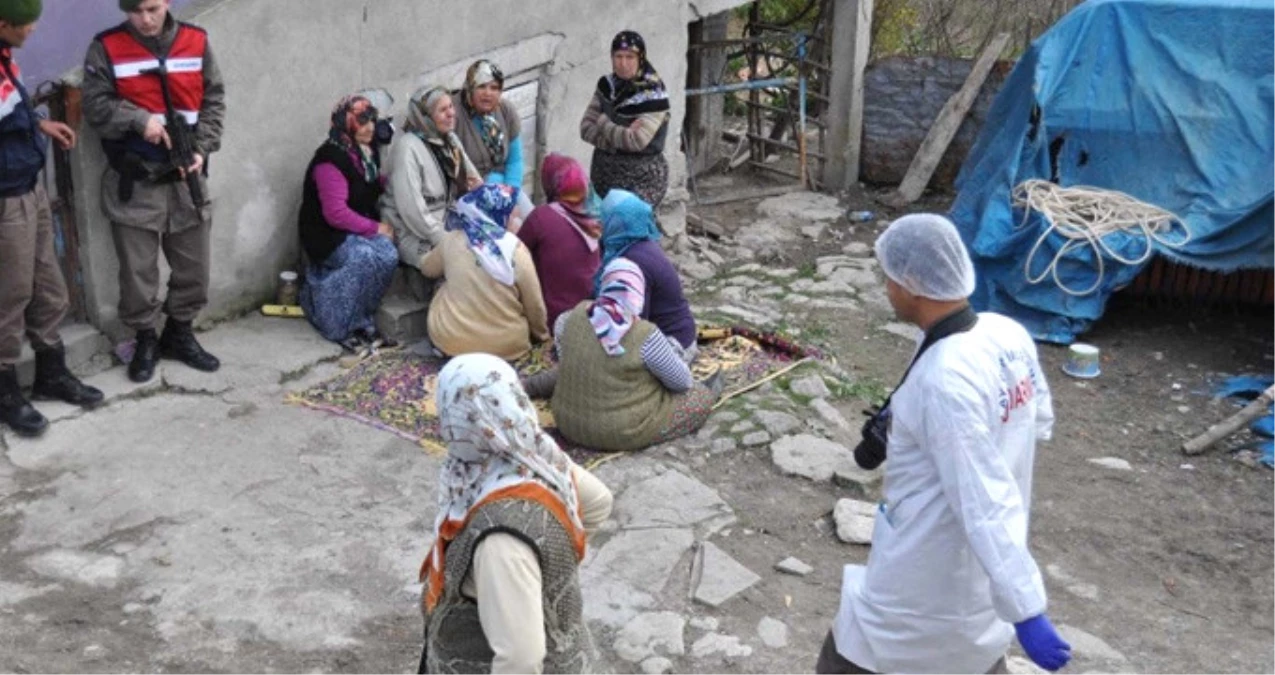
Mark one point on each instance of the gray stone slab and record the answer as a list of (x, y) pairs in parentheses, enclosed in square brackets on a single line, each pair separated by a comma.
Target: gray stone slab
[(776, 422), (621, 578), (728, 646), (773, 632), (673, 499), (855, 520), (831, 415), (721, 445), (812, 386), (856, 248), (657, 665), (755, 439), (810, 456), (801, 206), (650, 634), (721, 577)]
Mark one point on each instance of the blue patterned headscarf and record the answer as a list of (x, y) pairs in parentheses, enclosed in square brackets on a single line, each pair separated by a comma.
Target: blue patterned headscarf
[(483, 215), (626, 220)]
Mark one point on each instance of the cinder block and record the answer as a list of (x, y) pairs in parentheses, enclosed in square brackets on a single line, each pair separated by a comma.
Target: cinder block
[(403, 318)]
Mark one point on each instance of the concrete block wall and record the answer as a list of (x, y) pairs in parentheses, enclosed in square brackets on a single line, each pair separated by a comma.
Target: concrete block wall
[(902, 97)]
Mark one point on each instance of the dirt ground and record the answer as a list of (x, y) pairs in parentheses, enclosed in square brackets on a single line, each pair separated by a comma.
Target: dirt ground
[(1170, 563)]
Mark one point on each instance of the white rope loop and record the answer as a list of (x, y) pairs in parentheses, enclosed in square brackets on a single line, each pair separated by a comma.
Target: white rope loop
[(1085, 216)]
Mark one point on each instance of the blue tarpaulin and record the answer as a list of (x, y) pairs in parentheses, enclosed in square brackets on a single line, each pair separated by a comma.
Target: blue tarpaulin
[(1169, 101)]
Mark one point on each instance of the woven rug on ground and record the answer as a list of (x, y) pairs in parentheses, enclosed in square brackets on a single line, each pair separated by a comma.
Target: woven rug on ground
[(394, 389)]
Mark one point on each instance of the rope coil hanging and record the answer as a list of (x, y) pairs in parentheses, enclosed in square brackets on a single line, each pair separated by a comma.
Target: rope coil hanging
[(1084, 216)]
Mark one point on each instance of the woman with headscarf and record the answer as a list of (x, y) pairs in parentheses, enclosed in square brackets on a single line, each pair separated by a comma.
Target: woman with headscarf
[(627, 124), (629, 231), (350, 250), (620, 384), (502, 589), (490, 127), (491, 300), (562, 235), (428, 169)]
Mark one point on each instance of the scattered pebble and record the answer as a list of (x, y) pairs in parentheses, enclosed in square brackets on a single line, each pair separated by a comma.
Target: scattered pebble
[(773, 632), (1111, 463), (794, 566)]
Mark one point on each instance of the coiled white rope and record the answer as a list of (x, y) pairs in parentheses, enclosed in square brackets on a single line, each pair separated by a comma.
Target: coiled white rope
[(1085, 216)]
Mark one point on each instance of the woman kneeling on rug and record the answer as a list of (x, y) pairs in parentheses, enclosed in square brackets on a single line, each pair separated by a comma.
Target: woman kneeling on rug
[(350, 250), (491, 300), (502, 589), (629, 231), (620, 384)]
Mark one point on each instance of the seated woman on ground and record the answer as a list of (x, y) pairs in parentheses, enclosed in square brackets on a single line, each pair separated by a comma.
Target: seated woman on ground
[(350, 250), (489, 127), (502, 589), (629, 231), (562, 235), (490, 300), (428, 169), (620, 384)]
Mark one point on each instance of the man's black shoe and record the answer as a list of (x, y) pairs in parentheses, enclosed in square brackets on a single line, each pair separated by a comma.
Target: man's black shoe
[(15, 410), (179, 344), (145, 356), (54, 382)]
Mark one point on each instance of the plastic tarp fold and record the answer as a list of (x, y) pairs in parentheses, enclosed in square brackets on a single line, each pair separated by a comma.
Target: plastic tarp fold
[(1169, 101)]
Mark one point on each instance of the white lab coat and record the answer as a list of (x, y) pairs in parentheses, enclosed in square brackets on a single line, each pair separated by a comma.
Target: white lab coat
[(949, 570)]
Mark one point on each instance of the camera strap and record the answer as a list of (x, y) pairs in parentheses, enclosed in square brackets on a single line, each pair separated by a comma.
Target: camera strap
[(959, 321)]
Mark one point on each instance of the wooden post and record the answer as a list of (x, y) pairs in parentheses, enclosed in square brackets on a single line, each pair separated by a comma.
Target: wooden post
[(1231, 424), (851, 39), (945, 126)]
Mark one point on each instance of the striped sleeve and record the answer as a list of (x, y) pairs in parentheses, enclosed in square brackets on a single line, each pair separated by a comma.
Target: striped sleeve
[(664, 363)]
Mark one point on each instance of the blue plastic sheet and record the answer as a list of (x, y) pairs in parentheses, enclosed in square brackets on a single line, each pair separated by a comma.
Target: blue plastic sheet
[(1169, 101)]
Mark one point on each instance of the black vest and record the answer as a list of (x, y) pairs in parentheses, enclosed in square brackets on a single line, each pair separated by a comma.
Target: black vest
[(318, 237)]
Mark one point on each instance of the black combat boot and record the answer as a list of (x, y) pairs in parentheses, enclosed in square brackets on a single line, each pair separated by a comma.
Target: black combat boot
[(53, 382), (179, 344), (15, 410), (145, 356)]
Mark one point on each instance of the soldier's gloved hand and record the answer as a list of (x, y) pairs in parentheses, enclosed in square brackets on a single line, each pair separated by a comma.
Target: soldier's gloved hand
[(1042, 643)]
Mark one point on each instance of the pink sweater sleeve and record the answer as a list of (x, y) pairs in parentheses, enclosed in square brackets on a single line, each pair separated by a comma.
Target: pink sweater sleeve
[(334, 192)]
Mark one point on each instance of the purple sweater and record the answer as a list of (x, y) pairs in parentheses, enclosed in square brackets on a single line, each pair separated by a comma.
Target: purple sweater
[(564, 262), (334, 192), (666, 307)]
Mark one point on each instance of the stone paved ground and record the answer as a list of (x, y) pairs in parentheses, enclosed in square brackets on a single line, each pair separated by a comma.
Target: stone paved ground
[(199, 523)]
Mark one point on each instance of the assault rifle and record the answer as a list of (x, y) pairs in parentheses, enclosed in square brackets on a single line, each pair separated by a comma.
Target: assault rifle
[(182, 135)]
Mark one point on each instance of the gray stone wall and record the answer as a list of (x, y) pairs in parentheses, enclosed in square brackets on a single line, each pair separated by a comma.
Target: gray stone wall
[(902, 97)]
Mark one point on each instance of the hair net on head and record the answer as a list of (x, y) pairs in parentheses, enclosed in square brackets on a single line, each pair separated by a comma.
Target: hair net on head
[(924, 253)]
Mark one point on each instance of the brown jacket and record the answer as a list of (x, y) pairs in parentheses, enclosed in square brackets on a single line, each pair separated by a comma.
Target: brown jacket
[(152, 206)]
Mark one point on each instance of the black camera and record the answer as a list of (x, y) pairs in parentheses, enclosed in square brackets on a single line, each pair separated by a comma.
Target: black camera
[(870, 452)]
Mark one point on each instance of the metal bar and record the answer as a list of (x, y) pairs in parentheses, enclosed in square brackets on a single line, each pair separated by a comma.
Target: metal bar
[(784, 111), (756, 151), (801, 129), (741, 86), (772, 169), (780, 144), (789, 57), (819, 97), (717, 44), (780, 29)]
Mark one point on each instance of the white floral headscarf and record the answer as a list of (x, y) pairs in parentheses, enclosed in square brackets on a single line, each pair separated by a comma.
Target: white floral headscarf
[(494, 441)]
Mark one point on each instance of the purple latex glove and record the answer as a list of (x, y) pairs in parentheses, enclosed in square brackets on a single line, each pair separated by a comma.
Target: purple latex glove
[(1042, 643)]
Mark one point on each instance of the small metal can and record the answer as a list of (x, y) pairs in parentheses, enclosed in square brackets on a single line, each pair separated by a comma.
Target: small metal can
[(860, 216), (288, 291)]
